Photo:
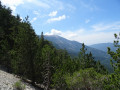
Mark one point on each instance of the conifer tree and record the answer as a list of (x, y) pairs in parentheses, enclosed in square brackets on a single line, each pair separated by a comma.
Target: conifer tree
[(39, 59), (82, 56), (114, 79), (115, 61), (6, 42), (47, 54)]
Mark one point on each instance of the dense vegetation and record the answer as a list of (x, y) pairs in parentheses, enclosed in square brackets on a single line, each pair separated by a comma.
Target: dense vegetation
[(23, 53), (73, 48)]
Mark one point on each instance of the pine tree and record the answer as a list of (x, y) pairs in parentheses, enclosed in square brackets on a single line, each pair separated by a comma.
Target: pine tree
[(39, 59), (6, 41), (114, 79), (47, 54), (82, 56), (115, 61)]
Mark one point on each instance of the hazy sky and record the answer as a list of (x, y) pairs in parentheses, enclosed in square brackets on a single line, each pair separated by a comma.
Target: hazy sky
[(88, 21)]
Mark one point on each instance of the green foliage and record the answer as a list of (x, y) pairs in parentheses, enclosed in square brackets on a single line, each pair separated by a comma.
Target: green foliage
[(47, 54), (84, 79), (115, 61), (87, 61), (113, 80), (62, 65), (58, 79), (19, 86), (34, 58), (73, 48)]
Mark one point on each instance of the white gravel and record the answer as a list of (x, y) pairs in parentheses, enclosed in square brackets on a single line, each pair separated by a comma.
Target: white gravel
[(7, 81)]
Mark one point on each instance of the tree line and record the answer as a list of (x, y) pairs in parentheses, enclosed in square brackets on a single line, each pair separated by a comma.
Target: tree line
[(25, 54)]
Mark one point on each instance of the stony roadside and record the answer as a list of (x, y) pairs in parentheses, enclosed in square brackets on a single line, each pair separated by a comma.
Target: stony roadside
[(7, 81)]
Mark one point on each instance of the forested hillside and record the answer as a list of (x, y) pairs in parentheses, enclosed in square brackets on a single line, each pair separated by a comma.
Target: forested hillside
[(35, 59), (73, 48)]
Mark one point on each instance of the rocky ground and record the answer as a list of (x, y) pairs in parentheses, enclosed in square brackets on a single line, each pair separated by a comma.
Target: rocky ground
[(8, 80)]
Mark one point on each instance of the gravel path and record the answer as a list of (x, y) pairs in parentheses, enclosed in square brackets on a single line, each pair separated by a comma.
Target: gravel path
[(7, 81)]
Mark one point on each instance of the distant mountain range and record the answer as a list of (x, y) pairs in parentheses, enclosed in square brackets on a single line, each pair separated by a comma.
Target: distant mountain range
[(104, 46), (73, 48)]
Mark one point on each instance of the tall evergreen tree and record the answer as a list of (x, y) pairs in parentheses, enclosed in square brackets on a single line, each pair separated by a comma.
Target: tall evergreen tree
[(82, 56), (47, 54), (39, 59), (6, 41)]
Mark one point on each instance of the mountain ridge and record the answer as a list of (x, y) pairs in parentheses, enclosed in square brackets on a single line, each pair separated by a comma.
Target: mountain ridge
[(73, 48), (104, 46)]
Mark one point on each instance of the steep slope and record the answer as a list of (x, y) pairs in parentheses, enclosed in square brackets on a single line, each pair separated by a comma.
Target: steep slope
[(8, 80), (103, 46), (73, 49)]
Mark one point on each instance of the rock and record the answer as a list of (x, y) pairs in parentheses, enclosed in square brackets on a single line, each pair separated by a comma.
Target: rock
[(7, 81)]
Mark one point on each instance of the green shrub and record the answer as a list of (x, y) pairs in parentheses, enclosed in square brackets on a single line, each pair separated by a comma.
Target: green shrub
[(19, 86), (85, 79)]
